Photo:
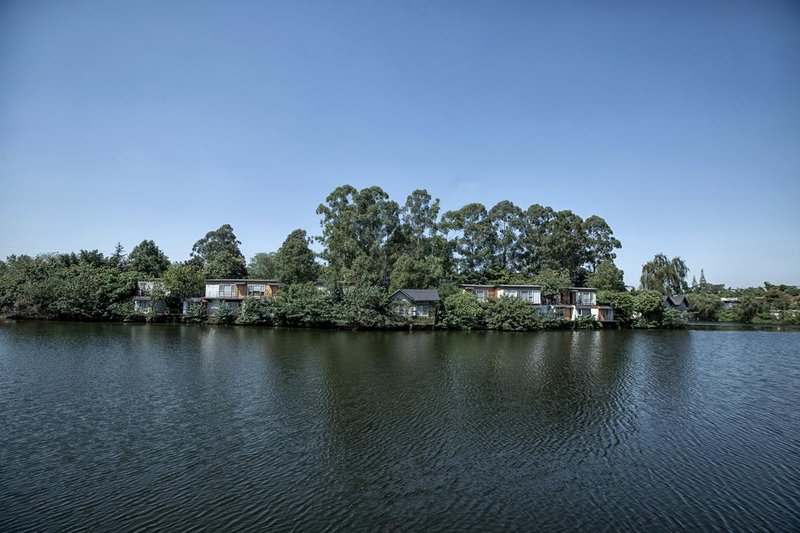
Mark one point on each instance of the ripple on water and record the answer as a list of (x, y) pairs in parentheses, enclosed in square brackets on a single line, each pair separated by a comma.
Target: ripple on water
[(143, 428)]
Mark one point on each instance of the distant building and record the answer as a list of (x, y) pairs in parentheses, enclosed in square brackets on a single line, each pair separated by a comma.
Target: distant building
[(418, 306), (730, 303), (676, 302), (149, 297), (572, 303), (234, 291)]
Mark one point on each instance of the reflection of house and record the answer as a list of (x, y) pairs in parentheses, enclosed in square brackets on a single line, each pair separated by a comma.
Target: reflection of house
[(149, 297), (233, 291), (677, 302), (417, 305), (572, 303)]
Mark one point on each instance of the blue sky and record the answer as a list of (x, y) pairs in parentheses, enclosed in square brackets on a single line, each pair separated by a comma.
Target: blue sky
[(678, 122)]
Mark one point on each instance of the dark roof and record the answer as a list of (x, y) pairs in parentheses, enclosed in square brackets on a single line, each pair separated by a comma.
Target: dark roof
[(419, 295), (676, 300)]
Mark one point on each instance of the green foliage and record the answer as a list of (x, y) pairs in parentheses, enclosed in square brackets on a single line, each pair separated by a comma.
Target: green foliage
[(553, 282), (195, 314), (294, 261), (364, 307), (220, 254), (357, 228), (262, 266), (223, 314), (647, 302), (511, 314), (226, 265), (607, 277), (705, 307), (461, 310), (64, 286), (183, 280), (302, 305), (623, 303), (666, 276), (148, 259), (254, 311)]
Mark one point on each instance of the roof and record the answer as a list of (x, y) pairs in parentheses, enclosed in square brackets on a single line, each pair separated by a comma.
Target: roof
[(419, 295), (272, 281), (675, 300), (500, 285)]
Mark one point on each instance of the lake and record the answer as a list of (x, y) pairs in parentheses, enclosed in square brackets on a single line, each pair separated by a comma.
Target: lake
[(133, 427)]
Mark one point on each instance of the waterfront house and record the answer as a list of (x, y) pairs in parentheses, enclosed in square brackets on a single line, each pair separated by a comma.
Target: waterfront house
[(530, 293), (418, 306), (579, 302), (676, 302), (729, 303), (149, 297), (233, 291), (572, 303)]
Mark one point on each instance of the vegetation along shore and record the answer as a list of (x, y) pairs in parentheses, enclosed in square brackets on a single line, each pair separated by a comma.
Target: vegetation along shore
[(381, 264)]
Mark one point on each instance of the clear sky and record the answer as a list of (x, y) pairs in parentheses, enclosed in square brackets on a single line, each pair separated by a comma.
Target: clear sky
[(677, 122)]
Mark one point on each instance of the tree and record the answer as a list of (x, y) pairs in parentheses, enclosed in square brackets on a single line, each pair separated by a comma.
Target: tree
[(601, 242), (220, 254), (183, 280), (294, 261), (474, 241), (607, 277), (666, 276), (262, 266), (148, 259), (553, 282), (505, 218), (118, 259), (706, 307), (357, 227)]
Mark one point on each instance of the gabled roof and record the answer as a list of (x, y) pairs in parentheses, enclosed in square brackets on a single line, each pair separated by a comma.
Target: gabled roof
[(419, 295), (675, 300)]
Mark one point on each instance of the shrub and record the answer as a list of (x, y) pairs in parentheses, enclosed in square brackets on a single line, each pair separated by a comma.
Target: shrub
[(461, 310), (223, 314)]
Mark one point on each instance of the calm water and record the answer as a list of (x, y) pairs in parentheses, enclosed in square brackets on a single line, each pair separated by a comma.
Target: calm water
[(164, 427)]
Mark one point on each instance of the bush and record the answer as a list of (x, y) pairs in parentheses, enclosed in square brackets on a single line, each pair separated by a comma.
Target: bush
[(461, 310), (511, 314), (364, 306), (223, 314), (254, 311), (302, 305)]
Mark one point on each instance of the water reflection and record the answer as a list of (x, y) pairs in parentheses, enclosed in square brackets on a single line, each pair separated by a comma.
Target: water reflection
[(156, 427)]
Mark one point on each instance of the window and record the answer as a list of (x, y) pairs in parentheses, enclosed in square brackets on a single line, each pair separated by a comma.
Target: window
[(585, 298), (481, 295), (584, 312), (256, 290), (531, 296), (227, 291), (508, 292), (421, 310)]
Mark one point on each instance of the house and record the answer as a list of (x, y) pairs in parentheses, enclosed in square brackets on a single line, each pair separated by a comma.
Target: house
[(572, 303), (580, 302), (149, 297), (677, 302), (233, 291), (417, 305), (729, 303), (531, 293)]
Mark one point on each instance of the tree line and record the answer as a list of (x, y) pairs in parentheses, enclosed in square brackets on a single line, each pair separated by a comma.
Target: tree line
[(370, 244)]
